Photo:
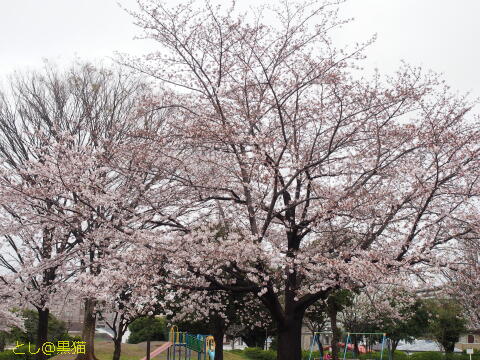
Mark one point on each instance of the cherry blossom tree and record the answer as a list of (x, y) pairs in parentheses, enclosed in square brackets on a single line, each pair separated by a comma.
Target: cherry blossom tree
[(124, 297), (145, 265), (110, 197), (55, 131), (330, 180), (9, 317), (392, 309), (219, 310), (462, 281)]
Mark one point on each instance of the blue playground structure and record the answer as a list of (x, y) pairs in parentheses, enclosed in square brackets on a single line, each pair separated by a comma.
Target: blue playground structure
[(317, 341)]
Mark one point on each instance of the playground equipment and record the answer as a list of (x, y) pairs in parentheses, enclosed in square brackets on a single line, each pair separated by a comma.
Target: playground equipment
[(316, 340), (384, 344), (159, 350), (349, 344), (180, 346), (211, 347)]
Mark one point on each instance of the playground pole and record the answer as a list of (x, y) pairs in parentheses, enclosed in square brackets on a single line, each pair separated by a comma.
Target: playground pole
[(346, 346), (390, 353), (175, 348), (383, 345), (148, 349), (311, 348)]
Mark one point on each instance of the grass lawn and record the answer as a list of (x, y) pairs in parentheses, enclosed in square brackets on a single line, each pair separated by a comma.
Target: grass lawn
[(230, 356), (104, 351)]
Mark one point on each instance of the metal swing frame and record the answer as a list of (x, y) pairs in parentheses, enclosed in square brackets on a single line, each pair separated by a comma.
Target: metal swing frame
[(316, 340), (384, 343)]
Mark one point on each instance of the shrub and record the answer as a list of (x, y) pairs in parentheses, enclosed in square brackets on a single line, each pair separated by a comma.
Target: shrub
[(10, 355), (373, 355), (399, 355), (56, 328), (315, 354), (68, 337), (462, 356), (427, 355), (147, 328), (7, 355), (274, 343)]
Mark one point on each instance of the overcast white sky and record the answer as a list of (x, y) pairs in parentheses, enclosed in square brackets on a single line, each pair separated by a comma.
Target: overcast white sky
[(443, 35)]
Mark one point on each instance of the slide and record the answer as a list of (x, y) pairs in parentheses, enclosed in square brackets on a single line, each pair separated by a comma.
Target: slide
[(159, 350), (211, 353)]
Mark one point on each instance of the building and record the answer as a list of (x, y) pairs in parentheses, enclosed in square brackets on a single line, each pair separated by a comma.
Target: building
[(470, 340), (70, 309)]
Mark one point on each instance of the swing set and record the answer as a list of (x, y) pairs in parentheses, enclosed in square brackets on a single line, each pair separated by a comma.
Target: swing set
[(350, 341), (316, 340)]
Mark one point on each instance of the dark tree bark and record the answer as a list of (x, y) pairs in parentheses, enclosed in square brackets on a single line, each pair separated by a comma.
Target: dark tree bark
[(218, 337), (119, 326), (289, 317), (117, 339), (218, 329), (356, 350), (88, 332), (3, 341), (289, 337), (117, 345), (394, 344), (332, 314), (42, 332)]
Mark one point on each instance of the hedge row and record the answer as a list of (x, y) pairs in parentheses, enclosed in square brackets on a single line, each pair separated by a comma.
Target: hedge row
[(259, 354)]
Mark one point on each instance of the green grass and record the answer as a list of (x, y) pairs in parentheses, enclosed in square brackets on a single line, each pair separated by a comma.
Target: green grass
[(104, 351), (227, 355)]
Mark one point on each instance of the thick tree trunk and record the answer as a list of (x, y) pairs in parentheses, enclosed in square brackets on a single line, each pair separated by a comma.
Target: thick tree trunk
[(218, 336), (394, 345), (2, 341), (117, 339), (88, 332), (290, 338), (218, 329), (332, 314), (42, 332), (117, 345)]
